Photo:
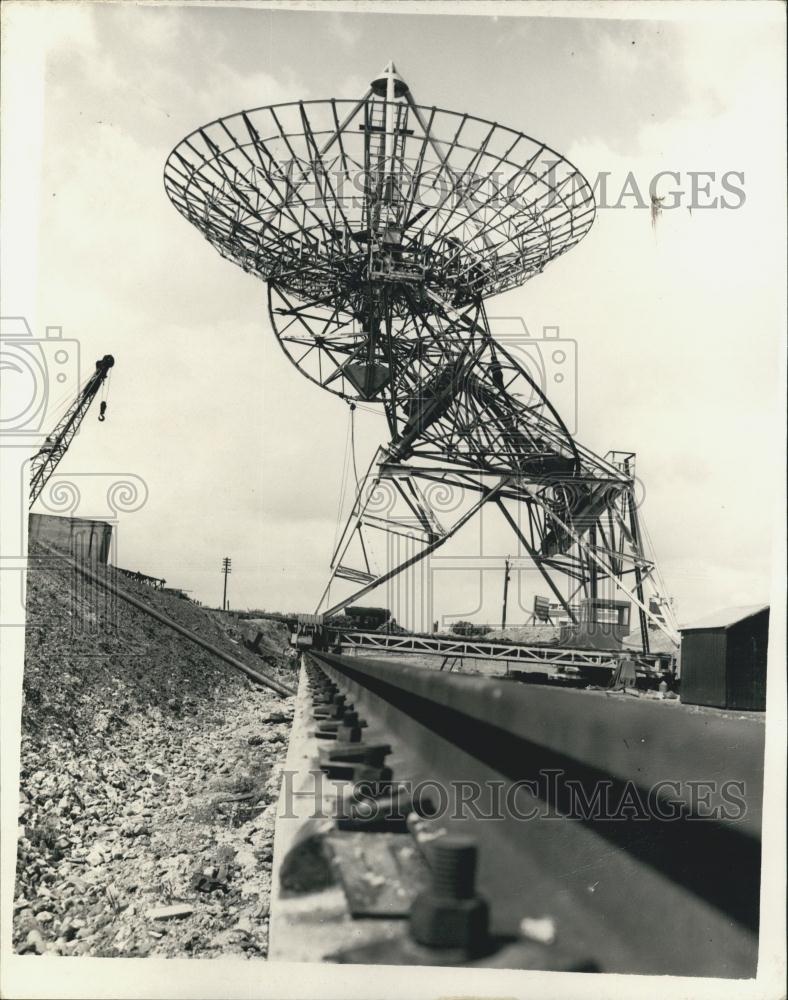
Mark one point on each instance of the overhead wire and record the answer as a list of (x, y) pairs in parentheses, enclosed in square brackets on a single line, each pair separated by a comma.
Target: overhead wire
[(657, 572), (353, 442), (343, 485), (105, 385), (349, 449)]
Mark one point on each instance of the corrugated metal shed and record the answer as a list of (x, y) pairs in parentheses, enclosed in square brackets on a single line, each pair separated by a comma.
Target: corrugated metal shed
[(723, 659)]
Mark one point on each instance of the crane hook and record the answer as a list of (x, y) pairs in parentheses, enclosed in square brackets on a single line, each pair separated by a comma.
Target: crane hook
[(102, 409)]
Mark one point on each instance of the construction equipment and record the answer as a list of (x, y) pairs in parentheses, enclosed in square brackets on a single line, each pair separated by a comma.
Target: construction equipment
[(48, 457), (308, 632), (381, 227)]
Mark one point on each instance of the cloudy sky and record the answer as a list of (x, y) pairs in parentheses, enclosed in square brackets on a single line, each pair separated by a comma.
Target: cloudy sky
[(678, 327)]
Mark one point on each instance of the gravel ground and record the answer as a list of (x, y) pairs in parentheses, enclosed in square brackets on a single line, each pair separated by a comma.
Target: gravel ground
[(149, 776)]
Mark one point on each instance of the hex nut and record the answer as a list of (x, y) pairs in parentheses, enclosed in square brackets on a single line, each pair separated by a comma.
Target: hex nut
[(442, 922)]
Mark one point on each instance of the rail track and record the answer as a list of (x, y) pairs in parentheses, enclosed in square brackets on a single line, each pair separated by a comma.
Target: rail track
[(609, 832)]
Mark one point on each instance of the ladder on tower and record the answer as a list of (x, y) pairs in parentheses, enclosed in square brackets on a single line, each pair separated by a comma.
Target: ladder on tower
[(383, 190)]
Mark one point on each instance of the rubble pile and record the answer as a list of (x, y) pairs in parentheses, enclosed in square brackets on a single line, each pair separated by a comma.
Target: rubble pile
[(148, 779), (526, 634), (263, 636)]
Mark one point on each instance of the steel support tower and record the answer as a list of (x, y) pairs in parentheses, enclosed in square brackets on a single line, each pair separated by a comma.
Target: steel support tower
[(381, 227)]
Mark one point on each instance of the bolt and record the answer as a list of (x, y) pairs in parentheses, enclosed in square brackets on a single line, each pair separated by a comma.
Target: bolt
[(331, 711), (349, 734), (372, 754), (344, 770), (346, 719), (339, 728), (449, 914), (336, 706), (453, 867), (322, 699), (381, 806)]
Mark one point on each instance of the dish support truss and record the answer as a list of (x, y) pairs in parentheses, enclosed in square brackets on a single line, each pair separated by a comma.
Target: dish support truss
[(473, 431)]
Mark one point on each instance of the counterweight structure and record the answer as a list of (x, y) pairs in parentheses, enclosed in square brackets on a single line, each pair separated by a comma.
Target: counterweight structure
[(381, 228)]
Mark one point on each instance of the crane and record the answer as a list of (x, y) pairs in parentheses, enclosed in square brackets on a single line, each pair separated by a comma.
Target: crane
[(56, 444)]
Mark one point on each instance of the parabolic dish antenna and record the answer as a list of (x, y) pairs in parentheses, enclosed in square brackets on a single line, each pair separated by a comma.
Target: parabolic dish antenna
[(367, 217)]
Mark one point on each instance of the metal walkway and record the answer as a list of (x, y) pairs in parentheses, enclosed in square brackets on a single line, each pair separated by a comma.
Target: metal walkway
[(486, 649)]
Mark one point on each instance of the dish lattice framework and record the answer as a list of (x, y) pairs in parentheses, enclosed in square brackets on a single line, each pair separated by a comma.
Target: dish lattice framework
[(293, 192), (326, 199)]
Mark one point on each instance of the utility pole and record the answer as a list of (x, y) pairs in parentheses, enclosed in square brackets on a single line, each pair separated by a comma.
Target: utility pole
[(505, 591), (227, 567)]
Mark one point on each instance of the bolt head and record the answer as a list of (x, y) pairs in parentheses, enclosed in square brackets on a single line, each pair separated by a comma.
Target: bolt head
[(439, 922)]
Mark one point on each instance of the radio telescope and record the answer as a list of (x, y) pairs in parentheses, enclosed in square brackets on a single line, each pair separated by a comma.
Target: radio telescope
[(381, 228)]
